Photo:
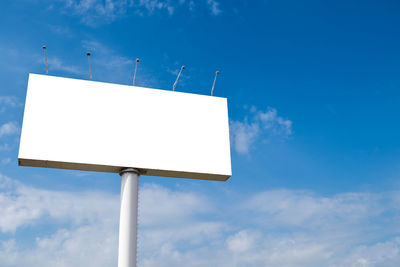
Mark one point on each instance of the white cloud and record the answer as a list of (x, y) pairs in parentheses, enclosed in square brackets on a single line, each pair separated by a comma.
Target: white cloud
[(243, 135), (262, 125), (5, 161), (271, 121), (152, 5), (188, 203), (243, 241), (288, 208), (56, 63), (108, 64), (108, 57), (61, 30), (214, 7), (378, 254), (177, 228), (9, 128), (82, 246), (87, 224), (5, 147), (22, 206), (96, 12), (8, 101)]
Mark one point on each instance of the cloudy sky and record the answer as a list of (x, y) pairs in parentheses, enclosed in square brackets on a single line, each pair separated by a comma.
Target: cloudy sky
[(313, 93)]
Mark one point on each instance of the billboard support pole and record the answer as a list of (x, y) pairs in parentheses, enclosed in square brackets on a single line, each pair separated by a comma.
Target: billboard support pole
[(128, 220)]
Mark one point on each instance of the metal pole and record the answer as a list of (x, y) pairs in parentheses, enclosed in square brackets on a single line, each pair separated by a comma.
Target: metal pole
[(128, 218), (177, 78), (45, 59), (90, 66), (134, 76), (215, 78)]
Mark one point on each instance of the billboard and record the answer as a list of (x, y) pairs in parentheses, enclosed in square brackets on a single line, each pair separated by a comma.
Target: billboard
[(95, 126)]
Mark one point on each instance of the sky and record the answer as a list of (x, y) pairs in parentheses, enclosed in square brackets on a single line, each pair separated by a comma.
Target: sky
[(313, 89)]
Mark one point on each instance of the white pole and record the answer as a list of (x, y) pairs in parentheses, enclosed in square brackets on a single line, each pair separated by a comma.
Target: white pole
[(128, 218)]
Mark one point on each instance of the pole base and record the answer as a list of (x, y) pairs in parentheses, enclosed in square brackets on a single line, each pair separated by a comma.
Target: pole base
[(137, 171)]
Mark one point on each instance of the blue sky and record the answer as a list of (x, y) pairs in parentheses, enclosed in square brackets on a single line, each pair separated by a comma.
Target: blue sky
[(313, 93)]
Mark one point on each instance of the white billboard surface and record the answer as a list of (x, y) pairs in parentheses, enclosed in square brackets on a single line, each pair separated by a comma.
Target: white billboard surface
[(95, 126)]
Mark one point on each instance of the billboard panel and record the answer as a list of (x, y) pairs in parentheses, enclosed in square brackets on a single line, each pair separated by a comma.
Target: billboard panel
[(95, 126)]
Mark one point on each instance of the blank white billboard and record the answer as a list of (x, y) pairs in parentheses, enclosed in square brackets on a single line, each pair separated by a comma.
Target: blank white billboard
[(95, 126)]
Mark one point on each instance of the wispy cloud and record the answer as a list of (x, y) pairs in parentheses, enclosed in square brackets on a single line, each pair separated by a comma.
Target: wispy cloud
[(243, 135), (289, 208), (177, 228), (94, 12), (110, 66), (259, 125), (214, 7), (22, 205), (9, 102), (56, 63), (107, 63), (61, 30), (153, 5), (86, 234), (88, 222), (5, 161), (9, 128), (97, 12), (152, 195), (108, 57), (5, 147)]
